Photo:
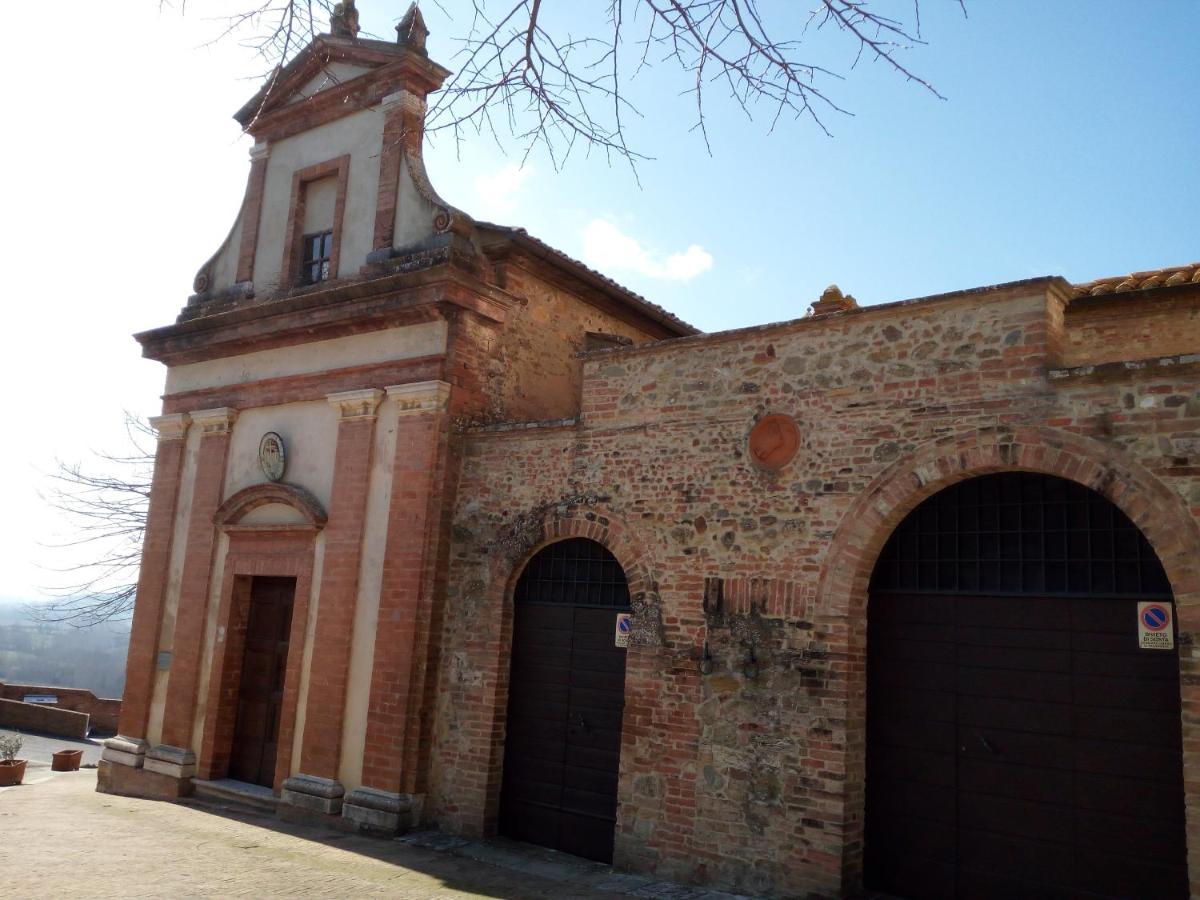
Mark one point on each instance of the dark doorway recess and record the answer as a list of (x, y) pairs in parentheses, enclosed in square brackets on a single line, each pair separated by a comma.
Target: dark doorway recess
[(566, 694), (260, 694), (1019, 744)]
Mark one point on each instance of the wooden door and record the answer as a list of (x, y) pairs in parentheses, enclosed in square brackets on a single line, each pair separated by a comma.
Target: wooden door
[(1020, 744), (260, 695), (566, 697)]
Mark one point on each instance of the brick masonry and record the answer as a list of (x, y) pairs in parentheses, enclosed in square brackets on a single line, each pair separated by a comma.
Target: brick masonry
[(758, 785), (103, 712)]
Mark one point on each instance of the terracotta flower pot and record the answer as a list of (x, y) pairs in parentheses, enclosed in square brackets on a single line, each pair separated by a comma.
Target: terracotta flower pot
[(67, 760), (11, 772)]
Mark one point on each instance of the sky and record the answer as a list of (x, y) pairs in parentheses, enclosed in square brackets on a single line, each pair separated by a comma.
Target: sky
[(1067, 145)]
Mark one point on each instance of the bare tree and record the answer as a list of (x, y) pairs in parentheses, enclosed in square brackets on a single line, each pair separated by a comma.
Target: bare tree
[(105, 504), (522, 74)]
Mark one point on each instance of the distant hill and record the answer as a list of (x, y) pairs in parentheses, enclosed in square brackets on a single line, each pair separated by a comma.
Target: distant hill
[(59, 655)]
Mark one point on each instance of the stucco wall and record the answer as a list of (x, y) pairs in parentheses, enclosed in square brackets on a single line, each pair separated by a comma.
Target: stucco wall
[(360, 135), (757, 785)]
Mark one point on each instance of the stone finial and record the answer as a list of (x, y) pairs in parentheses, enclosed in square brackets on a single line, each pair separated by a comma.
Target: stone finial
[(343, 22), (833, 300), (411, 31)]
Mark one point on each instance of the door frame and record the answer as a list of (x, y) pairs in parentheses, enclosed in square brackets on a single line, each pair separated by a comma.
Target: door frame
[(640, 658), (842, 594), (248, 550)]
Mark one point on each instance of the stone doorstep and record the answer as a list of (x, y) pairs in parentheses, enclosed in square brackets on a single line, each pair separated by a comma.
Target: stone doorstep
[(226, 790), (562, 867)]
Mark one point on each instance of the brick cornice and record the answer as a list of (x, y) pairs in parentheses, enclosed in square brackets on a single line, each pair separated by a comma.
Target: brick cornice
[(315, 314), (361, 404)]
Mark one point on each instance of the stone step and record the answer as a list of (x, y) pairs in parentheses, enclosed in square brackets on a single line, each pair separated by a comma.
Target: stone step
[(237, 794)]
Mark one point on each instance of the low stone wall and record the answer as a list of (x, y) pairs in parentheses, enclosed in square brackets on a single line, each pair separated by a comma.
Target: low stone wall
[(104, 712), (43, 719)]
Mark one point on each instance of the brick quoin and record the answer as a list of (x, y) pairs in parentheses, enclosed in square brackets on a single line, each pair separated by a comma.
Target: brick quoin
[(187, 645), (338, 592), (152, 582)]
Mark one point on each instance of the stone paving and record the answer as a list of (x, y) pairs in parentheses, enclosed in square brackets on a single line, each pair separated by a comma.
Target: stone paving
[(61, 838)]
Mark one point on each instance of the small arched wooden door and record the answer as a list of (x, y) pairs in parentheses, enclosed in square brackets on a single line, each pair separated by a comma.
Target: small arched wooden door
[(1019, 743), (565, 700)]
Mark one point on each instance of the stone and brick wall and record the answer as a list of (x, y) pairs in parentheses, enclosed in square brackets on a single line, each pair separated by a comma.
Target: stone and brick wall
[(1115, 327), (756, 784), (104, 712)]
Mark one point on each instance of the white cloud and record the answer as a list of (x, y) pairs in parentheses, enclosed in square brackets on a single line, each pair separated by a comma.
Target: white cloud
[(608, 248), (496, 192)]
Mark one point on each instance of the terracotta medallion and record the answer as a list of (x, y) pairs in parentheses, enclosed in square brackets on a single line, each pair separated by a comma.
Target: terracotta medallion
[(774, 440)]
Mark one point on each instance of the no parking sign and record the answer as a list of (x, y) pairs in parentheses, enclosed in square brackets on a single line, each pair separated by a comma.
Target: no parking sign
[(1155, 629)]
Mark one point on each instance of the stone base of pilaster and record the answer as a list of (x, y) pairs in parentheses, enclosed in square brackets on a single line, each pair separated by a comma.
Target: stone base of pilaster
[(125, 751), (128, 781), (379, 812), (176, 762), (311, 793)]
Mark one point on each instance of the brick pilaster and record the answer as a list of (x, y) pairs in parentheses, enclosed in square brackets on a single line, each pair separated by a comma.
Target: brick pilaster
[(188, 642), (406, 597), (152, 576), (252, 212), (390, 160), (326, 705)]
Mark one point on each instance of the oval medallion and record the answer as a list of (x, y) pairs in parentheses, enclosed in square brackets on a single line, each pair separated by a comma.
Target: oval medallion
[(271, 456)]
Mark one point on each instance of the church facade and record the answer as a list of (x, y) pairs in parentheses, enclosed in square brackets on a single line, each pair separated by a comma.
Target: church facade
[(448, 530)]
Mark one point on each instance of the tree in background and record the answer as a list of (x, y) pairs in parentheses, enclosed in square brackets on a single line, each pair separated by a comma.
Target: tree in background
[(525, 74), (104, 506)]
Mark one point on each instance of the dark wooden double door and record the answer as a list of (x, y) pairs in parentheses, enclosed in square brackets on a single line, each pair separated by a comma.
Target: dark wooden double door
[(260, 693), (1020, 744), (566, 697)]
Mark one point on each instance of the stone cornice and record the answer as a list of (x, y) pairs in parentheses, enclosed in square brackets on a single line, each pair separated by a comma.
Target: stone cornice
[(361, 404), (261, 150), (214, 421), (171, 427), (419, 397)]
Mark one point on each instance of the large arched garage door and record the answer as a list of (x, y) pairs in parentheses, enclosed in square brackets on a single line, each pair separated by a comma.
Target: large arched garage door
[(566, 695), (1019, 743)]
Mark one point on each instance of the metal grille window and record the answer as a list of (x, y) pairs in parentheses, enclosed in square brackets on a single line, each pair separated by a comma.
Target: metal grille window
[(575, 571), (318, 251), (1020, 532)]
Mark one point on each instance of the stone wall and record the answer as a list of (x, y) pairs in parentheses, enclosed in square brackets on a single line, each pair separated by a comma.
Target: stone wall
[(756, 783)]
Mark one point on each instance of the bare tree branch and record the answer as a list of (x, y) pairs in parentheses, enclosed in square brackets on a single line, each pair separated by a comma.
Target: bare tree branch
[(105, 506), (521, 79)]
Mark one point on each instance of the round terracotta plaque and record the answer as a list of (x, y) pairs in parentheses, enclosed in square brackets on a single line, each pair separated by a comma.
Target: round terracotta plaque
[(774, 440)]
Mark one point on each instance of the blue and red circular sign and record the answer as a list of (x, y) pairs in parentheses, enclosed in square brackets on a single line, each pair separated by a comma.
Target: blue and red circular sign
[(1155, 617)]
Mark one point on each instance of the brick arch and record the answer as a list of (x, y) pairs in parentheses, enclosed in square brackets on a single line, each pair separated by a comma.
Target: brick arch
[(605, 530), (645, 639), (842, 593), (237, 506)]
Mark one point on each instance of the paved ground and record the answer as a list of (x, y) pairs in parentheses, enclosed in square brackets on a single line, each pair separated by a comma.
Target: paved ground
[(61, 838), (38, 749)]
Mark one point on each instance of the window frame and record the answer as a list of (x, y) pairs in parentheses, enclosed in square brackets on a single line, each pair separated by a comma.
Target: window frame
[(293, 269)]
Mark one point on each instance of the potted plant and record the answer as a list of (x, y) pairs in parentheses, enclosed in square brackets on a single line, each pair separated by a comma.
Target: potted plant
[(12, 770), (66, 760)]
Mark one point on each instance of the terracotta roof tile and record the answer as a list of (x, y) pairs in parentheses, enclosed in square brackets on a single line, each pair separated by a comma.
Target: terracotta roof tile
[(634, 299), (1140, 281)]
